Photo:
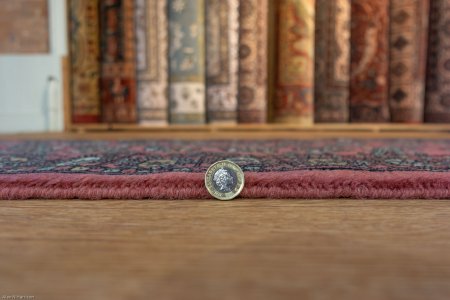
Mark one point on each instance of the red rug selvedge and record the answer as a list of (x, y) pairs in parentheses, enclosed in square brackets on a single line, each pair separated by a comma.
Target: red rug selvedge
[(376, 169), (291, 184)]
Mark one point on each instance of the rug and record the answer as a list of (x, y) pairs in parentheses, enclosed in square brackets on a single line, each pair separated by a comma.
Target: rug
[(174, 169)]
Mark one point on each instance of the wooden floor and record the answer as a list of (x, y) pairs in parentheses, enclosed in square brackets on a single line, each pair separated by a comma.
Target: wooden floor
[(242, 249), (252, 249)]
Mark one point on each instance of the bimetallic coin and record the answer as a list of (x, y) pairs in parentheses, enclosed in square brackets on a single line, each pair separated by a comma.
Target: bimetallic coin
[(224, 180)]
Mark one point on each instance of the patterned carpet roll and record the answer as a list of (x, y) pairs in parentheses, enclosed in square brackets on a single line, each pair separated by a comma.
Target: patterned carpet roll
[(118, 60), (369, 61), (332, 61), (294, 87), (437, 98), (253, 53), (85, 67), (408, 52), (151, 61)]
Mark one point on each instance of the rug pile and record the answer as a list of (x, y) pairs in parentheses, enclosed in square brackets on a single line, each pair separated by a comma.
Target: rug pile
[(174, 169)]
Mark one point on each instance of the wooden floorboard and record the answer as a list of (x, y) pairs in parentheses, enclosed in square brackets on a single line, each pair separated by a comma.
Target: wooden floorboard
[(244, 249), (221, 135)]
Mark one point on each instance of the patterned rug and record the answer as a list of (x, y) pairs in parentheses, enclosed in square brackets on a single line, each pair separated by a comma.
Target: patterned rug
[(174, 169)]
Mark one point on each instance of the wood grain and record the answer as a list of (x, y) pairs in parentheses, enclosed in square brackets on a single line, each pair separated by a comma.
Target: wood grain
[(197, 134), (332, 127), (252, 249)]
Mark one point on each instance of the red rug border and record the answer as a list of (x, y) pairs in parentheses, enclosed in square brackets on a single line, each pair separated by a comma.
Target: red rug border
[(303, 184)]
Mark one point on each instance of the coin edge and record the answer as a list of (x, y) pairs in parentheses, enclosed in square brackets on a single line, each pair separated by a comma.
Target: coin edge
[(239, 190)]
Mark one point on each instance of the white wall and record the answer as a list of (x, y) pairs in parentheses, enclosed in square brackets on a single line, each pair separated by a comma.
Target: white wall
[(25, 85)]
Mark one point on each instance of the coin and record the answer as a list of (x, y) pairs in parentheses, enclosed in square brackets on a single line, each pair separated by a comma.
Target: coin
[(224, 180)]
